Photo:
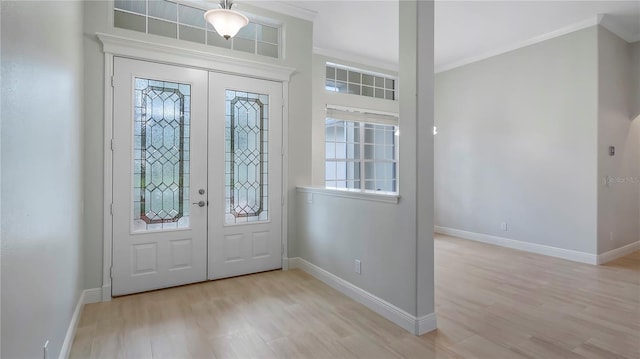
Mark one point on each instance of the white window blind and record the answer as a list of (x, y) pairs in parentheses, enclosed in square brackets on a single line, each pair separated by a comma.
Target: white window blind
[(359, 115)]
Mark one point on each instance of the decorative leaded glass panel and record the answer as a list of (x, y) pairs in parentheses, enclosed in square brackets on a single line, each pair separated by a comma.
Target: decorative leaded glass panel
[(246, 161), (161, 155)]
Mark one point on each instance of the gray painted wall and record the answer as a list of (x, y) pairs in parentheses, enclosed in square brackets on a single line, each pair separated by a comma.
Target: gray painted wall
[(424, 83), (517, 143), (635, 100), (635, 72), (334, 231), (396, 255), (618, 212), (41, 174), (298, 50)]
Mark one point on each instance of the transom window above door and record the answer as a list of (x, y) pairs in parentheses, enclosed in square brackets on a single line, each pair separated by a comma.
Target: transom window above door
[(177, 20)]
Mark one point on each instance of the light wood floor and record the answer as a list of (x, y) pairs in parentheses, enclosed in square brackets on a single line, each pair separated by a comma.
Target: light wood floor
[(491, 302)]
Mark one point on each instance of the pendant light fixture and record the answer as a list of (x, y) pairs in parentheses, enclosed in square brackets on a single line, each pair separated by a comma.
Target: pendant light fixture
[(226, 21)]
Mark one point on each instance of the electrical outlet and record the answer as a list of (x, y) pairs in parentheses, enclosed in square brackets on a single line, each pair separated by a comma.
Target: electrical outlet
[(503, 225), (45, 350), (610, 236), (358, 266)]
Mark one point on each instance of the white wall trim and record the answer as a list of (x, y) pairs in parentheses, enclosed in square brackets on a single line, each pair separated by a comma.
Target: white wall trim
[(575, 256), (618, 252), (284, 8), (106, 292), (426, 323), (107, 239), (389, 311), (71, 330), (610, 24), (356, 58), (352, 194), (285, 176), (151, 51), (93, 295), (87, 296), (534, 40)]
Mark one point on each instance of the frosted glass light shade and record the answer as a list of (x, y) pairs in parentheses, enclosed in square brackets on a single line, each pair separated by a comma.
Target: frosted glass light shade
[(226, 22)]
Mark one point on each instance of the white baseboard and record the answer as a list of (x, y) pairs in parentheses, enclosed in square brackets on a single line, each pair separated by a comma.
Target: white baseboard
[(93, 295), (426, 323), (389, 311), (87, 296), (71, 331), (618, 252), (575, 256)]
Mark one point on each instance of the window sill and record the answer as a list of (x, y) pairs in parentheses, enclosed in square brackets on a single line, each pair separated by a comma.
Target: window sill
[(375, 196)]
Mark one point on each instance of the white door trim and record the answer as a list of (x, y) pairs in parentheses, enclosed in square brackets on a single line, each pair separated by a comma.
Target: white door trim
[(173, 55), (108, 178)]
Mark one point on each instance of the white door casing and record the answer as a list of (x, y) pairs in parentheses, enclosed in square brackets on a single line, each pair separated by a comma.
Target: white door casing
[(173, 251), (245, 175), (163, 244), (118, 46)]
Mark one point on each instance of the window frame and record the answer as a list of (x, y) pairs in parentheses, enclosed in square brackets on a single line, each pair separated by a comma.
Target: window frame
[(361, 161), (350, 86), (208, 29)]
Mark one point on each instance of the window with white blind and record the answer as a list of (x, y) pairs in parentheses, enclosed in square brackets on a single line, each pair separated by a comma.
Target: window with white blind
[(361, 151)]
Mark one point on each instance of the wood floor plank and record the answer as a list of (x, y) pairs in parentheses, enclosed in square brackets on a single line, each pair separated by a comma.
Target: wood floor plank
[(82, 342), (589, 350), (479, 347), (491, 303), (541, 348)]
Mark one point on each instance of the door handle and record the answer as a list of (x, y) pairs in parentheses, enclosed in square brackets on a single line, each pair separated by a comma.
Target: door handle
[(201, 203)]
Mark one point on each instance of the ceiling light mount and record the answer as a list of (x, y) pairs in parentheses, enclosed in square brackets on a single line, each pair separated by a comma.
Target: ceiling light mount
[(227, 22)]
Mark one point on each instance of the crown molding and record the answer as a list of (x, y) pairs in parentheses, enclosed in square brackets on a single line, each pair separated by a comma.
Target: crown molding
[(285, 8), (610, 24), (534, 40), (603, 20), (355, 58)]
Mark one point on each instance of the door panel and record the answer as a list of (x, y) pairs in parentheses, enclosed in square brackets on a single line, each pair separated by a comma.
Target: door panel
[(245, 175), (193, 199), (159, 168)]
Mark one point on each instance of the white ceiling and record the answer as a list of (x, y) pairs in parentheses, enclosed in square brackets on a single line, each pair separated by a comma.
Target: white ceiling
[(468, 30), (367, 31), (356, 29)]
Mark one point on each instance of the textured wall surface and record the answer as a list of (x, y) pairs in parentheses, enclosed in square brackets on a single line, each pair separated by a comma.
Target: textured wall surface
[(41, 174)]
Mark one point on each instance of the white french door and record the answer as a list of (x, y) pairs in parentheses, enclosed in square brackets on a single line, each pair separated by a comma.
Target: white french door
[(245, 175), (159, 164), (196, 176)]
